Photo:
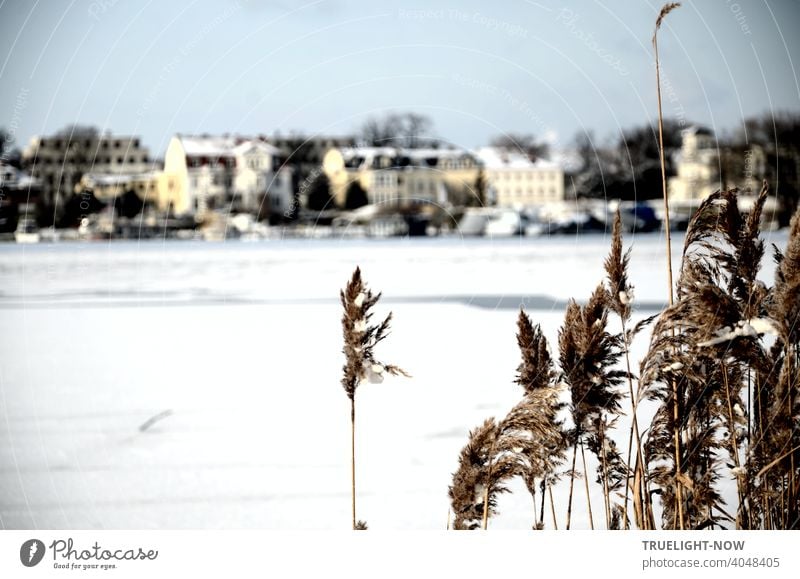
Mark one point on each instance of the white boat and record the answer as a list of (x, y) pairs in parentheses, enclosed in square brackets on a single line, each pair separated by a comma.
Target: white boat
[(505, 223), (27, 231), (474, 220)]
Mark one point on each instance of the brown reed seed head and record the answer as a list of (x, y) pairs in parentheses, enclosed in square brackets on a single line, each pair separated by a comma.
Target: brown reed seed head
[(588, 354), (467, 492), (666, 9), (528, 442), (361, 337), (786, 308), (536, 369), (533, 433), (749, 251), (705, 345), (620, 292)]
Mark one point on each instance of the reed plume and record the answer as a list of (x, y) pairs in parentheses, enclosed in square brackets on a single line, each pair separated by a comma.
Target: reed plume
[(588, 355), (538, 378), (620, 300), (703, 353), (360, 339), (779, 479), (484, 468)]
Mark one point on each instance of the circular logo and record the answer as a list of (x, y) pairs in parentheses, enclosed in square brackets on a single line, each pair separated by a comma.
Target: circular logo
[(31, 552)]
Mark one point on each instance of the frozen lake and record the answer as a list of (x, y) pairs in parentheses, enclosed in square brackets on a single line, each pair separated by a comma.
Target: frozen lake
[(238, 347)]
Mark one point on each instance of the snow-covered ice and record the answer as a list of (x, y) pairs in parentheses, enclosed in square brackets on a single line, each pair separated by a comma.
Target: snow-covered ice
[(242, 343)]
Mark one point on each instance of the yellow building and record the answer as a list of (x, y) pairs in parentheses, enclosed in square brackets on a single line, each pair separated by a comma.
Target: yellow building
[(398, 176), (107, 187)]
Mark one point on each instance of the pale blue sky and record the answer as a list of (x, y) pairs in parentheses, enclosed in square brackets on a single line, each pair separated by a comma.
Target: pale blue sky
[(477, 68)]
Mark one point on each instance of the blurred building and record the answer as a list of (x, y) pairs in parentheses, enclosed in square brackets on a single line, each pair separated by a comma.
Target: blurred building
[(108, 187), (237, 173), (305, 153), (19, 195), (60, 161), (698, 168), (703, 167), (400, 176), (515, 181)]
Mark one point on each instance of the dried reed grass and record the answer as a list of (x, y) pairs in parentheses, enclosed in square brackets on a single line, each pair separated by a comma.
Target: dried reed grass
[(360, 339)]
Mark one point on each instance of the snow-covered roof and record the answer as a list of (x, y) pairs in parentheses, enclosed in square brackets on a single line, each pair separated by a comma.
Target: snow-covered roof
[(260, 146), (207, 146), (497, 158), (371, 152), (223, 146)]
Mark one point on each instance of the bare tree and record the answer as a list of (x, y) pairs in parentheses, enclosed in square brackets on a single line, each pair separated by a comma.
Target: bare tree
[(526, 144), (397, 130)]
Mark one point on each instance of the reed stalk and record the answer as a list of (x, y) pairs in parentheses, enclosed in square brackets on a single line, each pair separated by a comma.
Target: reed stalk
[(571, 485), (552, 506), (666, 9), (360, 339), (586, 485)]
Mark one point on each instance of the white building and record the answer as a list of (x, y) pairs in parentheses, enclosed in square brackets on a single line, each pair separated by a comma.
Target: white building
[(238, 173), (698, 168), (516, 181)]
